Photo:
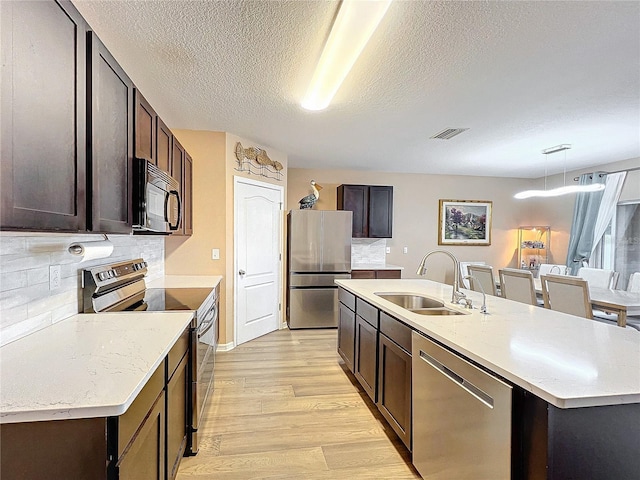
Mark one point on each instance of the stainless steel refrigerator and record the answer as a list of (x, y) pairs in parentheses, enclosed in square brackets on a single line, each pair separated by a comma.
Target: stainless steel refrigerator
[(319, 249)]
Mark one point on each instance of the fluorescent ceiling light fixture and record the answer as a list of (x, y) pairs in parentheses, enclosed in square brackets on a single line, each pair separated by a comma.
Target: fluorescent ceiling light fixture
[(353, 27), (565, 189)]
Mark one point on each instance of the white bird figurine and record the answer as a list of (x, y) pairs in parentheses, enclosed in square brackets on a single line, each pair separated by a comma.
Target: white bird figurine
[(310, 200)]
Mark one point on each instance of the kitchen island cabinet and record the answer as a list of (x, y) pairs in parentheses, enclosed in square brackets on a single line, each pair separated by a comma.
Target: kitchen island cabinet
[(575, 406), (377, 350), (105, 407), (347, 327)]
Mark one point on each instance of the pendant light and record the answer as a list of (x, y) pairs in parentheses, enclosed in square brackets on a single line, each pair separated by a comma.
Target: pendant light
[(565, 189)]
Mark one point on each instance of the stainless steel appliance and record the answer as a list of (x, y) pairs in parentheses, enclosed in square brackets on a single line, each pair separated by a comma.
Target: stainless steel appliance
[(461, 417), (156, 199), (319, 247), (121, 287)]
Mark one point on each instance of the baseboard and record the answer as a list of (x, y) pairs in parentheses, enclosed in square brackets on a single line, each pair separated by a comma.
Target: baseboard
[(225, 347)]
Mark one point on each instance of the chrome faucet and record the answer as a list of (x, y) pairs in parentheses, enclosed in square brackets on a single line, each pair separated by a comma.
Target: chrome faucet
[(457, 295), (483, 308), (556, 267)]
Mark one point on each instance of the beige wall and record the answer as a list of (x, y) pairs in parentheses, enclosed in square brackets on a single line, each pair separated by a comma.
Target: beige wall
[(416, 211), (214, 166)]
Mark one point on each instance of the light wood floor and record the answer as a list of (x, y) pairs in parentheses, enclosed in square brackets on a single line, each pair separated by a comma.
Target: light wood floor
[(284, 408)]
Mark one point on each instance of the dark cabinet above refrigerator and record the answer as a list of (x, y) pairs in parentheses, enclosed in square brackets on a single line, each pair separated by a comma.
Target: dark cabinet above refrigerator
[(372, 207)]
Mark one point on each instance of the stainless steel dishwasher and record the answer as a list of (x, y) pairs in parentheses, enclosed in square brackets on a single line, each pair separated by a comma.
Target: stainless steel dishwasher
[(461, 417)]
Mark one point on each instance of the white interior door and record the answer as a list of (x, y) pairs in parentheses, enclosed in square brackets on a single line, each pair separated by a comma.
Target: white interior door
[(258, 240)]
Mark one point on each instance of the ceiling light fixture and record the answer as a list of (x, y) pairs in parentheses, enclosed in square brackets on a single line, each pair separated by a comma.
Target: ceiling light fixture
[(353, 27), (565, 189)]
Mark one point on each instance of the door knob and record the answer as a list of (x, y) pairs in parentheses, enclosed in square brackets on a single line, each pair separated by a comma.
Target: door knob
[(241, 272)]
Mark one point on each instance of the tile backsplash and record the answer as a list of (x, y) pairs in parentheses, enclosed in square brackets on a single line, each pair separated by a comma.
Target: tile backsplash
[(369, 251), (27, 304)]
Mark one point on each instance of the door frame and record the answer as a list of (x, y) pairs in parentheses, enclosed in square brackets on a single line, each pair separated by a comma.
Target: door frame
[(280, 189)]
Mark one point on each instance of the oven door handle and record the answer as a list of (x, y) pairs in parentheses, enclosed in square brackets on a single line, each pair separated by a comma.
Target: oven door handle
[(204, 328)]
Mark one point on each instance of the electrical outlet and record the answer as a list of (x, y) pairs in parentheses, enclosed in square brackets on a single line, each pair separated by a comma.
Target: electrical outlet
[(388, 249), (215, 254), (54, 277), (405, 250)]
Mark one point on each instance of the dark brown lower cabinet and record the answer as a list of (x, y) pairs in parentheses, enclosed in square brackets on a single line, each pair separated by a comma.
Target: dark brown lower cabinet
[(394, 387), (144, 458), (146, 442), (177, 417), (366, 356), (364, 274), (346, 335)]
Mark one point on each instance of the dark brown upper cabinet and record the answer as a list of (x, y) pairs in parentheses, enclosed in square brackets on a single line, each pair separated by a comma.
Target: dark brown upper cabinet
[(43, 116), (164, 145), (145, 129), (110, 116), (177, 166), (372, 207), (187, 195)]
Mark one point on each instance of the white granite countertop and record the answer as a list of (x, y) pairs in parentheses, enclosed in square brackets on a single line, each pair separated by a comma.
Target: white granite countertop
[(567, 361), (185, 281), (375, 266), (88, 365)]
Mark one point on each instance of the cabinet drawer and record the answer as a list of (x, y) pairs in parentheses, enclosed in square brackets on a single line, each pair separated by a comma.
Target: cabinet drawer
[(129, 422), (367, 311), (347, 298), (177, 352), (388, 274), (396, 331), (363, 274)]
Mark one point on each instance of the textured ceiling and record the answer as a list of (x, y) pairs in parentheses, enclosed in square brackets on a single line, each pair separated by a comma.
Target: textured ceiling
[(521, 75)]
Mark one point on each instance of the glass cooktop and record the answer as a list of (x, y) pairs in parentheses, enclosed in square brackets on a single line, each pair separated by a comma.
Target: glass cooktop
[(162, 299)]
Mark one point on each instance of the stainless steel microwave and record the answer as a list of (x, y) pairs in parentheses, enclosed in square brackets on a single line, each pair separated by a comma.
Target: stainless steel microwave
[(156, 199)]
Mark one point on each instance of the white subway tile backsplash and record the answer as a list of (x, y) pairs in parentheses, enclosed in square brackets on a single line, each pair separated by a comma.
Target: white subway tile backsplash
[(27, 304), (13, 280), (370, 251), (36, 276)]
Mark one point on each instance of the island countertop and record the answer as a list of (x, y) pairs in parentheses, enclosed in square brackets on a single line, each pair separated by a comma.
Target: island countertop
[(567, 361), (88, 365)]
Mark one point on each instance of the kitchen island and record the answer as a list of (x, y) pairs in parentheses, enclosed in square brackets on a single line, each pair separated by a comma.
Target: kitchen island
[(576, 382)]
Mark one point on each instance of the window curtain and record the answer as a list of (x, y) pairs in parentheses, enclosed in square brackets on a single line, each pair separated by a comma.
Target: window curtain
[(610, 197), (585, 213)]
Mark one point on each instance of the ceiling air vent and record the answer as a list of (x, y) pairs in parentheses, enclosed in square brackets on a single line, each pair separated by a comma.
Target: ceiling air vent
[(449, 133)]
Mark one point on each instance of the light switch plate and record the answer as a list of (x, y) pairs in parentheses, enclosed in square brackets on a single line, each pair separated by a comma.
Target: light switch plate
[(215, 254), (405, 250), (388, 249)]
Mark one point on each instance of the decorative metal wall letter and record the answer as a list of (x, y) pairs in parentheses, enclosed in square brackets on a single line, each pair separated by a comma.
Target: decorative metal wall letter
[(255, 160)]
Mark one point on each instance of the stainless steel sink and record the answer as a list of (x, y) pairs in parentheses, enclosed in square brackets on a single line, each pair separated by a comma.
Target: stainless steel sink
[(412, 301), (437, 311)]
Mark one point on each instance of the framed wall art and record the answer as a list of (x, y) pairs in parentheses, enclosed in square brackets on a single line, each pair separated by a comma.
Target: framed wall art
[(464, 222)]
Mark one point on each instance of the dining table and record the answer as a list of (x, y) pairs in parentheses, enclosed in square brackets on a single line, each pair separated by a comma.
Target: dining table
[(620, 302)]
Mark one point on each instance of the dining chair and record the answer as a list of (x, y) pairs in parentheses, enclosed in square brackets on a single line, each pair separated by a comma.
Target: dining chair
[(482, 274), (597, 277), (566, 294), (634, 283), (546, 268), (517, 285), (464, 272)]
